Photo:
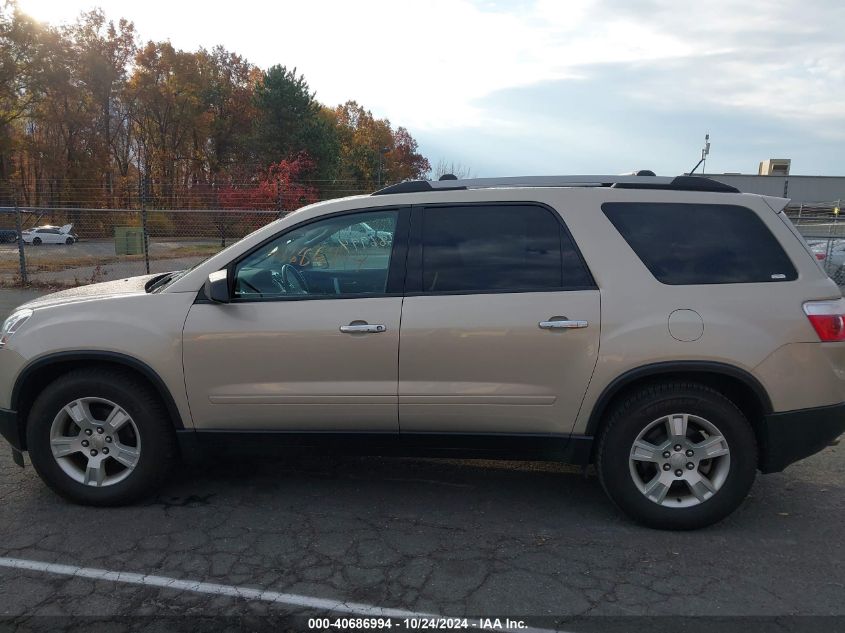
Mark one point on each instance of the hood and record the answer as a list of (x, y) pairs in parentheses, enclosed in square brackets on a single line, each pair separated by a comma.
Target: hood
[(130, 286)]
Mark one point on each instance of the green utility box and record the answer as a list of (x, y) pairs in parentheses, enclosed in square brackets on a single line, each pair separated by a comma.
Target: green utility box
[(128, 240)]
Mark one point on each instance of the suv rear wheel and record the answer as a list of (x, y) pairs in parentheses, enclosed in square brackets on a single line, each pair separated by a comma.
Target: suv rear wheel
[(677, 456), (100, 438)]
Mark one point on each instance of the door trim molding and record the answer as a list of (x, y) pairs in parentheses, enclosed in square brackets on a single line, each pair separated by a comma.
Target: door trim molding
[(571, 449)]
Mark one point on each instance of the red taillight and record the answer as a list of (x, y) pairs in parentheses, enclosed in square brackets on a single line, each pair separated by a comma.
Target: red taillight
[(820, 256), (827, 318)]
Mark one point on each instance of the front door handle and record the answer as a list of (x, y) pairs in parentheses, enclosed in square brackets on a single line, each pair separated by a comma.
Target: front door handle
[(356, 328), (563, 324)]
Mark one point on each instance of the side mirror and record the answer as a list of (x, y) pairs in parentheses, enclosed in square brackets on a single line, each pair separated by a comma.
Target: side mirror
[(217, 286)]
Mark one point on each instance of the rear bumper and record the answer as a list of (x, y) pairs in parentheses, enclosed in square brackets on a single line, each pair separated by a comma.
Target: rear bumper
[(793, 435)]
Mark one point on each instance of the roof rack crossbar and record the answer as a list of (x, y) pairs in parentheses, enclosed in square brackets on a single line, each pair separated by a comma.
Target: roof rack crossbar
[(679, 183)]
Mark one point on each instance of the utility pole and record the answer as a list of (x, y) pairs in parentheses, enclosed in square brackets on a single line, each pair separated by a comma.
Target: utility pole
[(381, 152), (280, 199), (21, 254), (144, 188)]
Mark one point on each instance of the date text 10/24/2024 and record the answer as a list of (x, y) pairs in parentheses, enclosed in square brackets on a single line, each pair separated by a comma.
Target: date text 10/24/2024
[(417, 623)]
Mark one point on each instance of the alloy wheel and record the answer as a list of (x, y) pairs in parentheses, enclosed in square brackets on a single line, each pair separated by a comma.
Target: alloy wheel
[(679, 460), (95, 441)]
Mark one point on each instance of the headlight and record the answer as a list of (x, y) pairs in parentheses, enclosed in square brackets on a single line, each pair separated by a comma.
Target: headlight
[(12, 324)]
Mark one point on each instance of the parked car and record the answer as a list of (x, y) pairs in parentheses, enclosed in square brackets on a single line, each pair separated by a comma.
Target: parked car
[(50, 235), (673, 332), (8, 235), (362, 235)]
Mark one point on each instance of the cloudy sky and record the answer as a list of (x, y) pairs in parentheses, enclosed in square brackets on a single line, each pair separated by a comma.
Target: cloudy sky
[(549, 86)]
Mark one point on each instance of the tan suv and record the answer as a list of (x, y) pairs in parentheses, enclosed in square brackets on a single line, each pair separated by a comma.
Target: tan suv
[(673, 331)]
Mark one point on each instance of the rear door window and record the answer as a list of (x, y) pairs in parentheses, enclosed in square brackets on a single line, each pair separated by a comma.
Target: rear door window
[(701, 243), (498, 248)]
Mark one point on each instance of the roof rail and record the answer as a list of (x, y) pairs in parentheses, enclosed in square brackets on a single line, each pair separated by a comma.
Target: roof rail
[(679, 183)]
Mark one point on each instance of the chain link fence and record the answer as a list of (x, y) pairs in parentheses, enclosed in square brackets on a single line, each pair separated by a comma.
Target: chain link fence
[(823, 228), (55, 247), (65, 246), (51, 238)]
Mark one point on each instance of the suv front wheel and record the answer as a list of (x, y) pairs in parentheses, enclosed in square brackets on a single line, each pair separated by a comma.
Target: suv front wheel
[(100, 437), (677, 456)]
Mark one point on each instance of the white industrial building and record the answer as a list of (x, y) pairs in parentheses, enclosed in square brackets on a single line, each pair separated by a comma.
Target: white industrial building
[(773, 179)]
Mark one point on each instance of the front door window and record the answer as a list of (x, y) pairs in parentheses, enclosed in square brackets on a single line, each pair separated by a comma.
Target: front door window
[(336, 257)]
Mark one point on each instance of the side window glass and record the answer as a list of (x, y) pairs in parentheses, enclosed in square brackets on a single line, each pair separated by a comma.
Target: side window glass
[(339, 256), (497, 248), (701, 243)]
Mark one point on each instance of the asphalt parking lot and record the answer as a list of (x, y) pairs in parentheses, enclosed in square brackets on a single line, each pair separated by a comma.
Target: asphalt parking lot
[(292, 536), (450, 538)]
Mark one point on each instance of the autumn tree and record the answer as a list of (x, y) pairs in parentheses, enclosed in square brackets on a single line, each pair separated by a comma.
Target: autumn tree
[(88, 117), (227, 84), (372, 153), (404, 159), (21, 61), (280, 188), (170, 115), (21, 64), (103, 50), (60, 133)]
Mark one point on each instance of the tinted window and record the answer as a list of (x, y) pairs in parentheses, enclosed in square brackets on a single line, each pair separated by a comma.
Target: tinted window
[(488, 248), (701, 243), (338, 256)]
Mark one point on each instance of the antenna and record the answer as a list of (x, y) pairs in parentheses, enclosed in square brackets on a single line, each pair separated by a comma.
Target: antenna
[(705, 152)]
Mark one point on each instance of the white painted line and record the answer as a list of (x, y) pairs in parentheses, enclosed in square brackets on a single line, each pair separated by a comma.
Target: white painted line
[(247, 593), (292, 599)]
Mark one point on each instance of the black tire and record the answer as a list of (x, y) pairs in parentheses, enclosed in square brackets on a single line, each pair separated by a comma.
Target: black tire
[(158, 444), (36, 241), (69, 241), (632, 415)]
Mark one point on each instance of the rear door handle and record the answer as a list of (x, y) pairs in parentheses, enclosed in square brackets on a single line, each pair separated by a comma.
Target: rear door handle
[(355, 328), (563, 324)]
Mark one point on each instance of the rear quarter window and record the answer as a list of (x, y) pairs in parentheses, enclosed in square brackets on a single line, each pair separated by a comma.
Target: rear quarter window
[(685, 244)]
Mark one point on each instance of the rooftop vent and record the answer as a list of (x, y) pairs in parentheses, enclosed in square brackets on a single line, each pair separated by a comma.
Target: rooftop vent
[(774, 167)]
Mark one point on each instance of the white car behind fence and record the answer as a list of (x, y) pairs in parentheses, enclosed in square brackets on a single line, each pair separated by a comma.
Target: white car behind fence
[(49, 235)]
